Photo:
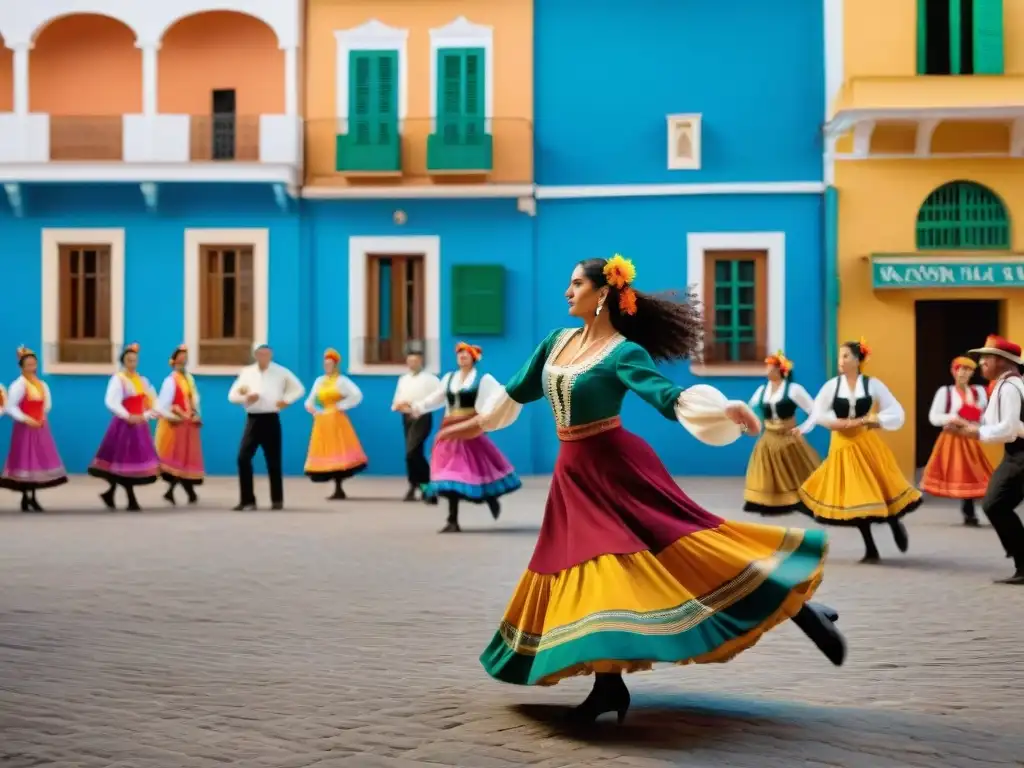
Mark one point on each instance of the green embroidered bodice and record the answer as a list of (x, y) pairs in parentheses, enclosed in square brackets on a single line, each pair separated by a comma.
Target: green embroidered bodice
[(593, 389)]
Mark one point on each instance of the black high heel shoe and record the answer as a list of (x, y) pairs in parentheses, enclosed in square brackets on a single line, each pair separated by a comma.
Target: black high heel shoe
[(609, 694)]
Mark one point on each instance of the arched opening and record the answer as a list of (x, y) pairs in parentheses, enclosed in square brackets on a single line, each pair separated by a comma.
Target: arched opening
[(6, 77), (963, 216), (86, 73), (225, 69)]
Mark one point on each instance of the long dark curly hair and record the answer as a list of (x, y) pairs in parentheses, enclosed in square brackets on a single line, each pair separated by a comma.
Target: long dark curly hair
[(669, 326)]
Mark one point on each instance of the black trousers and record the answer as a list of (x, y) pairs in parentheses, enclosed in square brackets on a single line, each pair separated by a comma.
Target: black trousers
[(1004, 495), (417, 430), (262, 430)]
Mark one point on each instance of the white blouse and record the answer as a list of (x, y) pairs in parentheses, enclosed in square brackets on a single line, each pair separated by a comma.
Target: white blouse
[(939, 415), (890, 413), (797, 394), (166, 398), (351, 395), (453, 382), (1001, 421), (15, 395), (118, 389)]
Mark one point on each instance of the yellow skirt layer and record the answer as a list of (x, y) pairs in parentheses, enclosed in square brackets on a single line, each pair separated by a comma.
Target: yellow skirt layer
[(859, 482), (704, 599), (334, 449), (780, 463)]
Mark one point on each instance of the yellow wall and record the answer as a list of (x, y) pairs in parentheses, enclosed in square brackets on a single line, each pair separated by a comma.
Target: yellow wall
[(512, 21), (878, 205), (880, 37)]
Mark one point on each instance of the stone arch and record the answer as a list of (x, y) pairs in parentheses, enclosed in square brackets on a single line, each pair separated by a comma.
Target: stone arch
[(963, 215), (221, 50)]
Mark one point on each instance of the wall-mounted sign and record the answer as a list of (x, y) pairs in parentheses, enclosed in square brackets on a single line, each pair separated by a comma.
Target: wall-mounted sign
[(919, 271)]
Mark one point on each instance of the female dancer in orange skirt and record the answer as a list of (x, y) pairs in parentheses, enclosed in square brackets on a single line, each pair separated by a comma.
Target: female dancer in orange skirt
[(178, 442), (334, 450), (958, 467), (628, 570)]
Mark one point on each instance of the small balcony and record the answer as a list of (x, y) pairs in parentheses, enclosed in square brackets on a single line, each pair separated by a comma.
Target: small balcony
[(460, 145), (171, 147), (419, 151)]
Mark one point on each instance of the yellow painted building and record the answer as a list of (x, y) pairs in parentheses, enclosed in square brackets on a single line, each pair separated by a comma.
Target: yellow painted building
[(420, 94), (926, 158)]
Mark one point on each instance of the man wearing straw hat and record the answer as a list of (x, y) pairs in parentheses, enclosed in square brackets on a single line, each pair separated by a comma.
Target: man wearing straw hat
[(263, 389), (1003, 422)]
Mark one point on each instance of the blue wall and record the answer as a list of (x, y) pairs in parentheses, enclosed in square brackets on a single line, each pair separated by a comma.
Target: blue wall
[(154, 281), (607, 79)]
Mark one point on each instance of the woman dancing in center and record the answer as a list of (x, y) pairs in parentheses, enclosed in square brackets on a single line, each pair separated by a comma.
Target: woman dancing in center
[(178, 433), (859, 483), (782, 460), (628, 571)]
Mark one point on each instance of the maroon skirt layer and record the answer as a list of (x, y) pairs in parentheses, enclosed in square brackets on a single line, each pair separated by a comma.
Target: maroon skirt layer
[(611, 495)]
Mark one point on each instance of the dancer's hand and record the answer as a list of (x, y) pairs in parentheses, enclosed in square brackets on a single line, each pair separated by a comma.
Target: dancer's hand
[(464, 430), (402, 407), (740, 414), (33, 422), (282, 404), (251, 398), (795, 432), (136, 418), (311, 409)]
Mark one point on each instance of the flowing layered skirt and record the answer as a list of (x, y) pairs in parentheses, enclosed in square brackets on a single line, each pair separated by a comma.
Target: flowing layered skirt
[(858, 483), (778, 466), (957, 469), (629, 571), (33, 461), (334, 450), (180, 450), (126, 455), (474, 470)]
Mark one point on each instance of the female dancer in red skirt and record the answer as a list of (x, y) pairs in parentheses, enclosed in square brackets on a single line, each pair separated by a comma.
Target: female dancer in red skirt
[(628, 571)]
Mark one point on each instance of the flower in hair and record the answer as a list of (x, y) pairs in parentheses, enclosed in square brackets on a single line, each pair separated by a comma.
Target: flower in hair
[(627, 301), (619, 272), (865, 350)]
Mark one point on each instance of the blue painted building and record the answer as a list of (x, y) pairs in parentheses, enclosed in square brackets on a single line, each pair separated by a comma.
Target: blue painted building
[(688, 141)]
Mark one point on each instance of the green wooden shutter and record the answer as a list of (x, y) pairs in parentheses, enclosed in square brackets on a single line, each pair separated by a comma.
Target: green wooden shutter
[(473, 96), (449, 107), (922, 37), (988, 37), (955, 41), (373, 96), (461, 96), (478, 299)]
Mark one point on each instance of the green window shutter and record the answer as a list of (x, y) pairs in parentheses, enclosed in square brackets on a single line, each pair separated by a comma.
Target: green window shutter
[(963, 216), (988, 37), (922, 37), (955, 41), (734, 331), (478, 299), (373, 96), (460, 97)]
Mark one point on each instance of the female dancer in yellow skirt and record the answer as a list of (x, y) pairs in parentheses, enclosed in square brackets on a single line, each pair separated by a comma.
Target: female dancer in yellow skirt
[(334, 450), (178, 442), (782, 460), (628, 570), (859, 483), (958, 467)]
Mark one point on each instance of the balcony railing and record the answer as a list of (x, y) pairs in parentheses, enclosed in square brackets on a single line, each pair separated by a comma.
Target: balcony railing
[(41, 138), (498, 150)]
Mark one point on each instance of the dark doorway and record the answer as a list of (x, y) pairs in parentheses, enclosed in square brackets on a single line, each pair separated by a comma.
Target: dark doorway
[(224, 125), (948, 36), (944, 330)]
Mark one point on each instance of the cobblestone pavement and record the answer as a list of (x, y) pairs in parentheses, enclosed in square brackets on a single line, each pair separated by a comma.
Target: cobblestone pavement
[(347, 634)]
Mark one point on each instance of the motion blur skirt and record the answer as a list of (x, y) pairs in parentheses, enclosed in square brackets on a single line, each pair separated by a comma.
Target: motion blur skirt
[(957, 469), (778, 466), (629, 572)]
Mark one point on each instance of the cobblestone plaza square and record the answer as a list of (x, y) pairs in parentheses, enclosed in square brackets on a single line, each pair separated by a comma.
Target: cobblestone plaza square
[(347, 634)]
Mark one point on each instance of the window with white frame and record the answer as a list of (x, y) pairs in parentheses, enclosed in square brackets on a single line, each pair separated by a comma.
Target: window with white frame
[(226, 296)]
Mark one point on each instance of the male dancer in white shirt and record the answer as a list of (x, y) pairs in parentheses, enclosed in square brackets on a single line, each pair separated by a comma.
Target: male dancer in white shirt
[(263, 389), (413, 387), (1003, 422)]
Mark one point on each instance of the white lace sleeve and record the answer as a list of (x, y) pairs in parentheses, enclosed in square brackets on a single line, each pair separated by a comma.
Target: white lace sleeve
[(701, 410)]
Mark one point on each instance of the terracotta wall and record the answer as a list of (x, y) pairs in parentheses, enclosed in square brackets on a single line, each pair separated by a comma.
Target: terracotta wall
[(6, 78)]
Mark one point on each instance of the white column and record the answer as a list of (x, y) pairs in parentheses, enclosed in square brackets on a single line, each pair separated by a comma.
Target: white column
[(291, 82), (149, 77), (21, 78)]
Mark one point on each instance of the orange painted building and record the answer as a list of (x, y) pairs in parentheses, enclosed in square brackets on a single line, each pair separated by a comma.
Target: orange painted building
[(926, 157), (419, 94)]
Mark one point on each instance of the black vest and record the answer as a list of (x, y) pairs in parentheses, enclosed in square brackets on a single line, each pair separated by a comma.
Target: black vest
[(463, 398), (861, 408), (784, 409)]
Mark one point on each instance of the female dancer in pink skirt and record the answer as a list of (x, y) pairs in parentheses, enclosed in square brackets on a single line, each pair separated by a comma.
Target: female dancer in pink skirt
[(33, 461), (474, 470), (126, 457), (629, 571)]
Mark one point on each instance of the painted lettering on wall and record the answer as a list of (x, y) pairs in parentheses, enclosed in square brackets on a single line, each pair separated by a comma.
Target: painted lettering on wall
[(940, 274)]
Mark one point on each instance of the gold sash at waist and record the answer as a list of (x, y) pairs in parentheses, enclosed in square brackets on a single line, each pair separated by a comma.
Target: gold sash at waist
[(459, 414), (583, 431), (779, 425)]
